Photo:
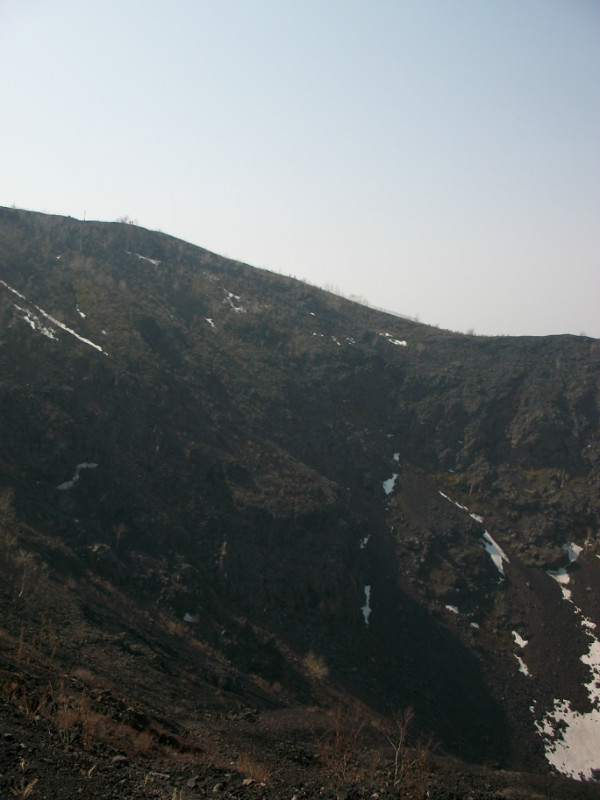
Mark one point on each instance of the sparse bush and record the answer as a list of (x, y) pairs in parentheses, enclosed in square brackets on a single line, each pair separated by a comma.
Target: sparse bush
[(339, 747), (410, 770), (316, 666)]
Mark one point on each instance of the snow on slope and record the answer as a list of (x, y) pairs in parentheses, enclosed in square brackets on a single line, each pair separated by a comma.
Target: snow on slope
[(35, 323), (572, 738)]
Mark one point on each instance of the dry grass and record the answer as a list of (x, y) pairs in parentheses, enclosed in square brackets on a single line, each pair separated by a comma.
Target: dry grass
[(23, 789), (248, 765), (316, 666)]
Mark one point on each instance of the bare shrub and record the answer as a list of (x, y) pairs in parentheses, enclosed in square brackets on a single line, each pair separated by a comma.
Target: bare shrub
[(411, 769), (339, 747)]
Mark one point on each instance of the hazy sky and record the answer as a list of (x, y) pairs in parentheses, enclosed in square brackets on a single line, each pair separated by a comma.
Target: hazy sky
[(440, 158)]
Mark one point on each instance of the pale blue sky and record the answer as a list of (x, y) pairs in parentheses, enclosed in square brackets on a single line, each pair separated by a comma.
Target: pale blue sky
[(439, 158)]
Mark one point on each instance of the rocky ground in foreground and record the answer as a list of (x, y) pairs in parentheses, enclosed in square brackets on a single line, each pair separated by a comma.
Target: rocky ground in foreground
[(68, 740)]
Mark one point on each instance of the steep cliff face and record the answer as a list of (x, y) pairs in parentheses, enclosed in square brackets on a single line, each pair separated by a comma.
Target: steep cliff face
[(273, 470)]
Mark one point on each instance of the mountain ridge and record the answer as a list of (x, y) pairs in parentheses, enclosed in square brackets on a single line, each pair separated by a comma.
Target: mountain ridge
[(248, 453)]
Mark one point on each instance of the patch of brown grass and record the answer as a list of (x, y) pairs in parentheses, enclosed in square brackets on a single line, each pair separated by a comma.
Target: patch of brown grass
[(248, 765), (316, 666)]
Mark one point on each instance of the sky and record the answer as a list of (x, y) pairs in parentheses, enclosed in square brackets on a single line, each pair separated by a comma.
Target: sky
[(436, 158)]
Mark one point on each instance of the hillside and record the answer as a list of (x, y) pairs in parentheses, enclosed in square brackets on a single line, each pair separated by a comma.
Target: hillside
[(245, 522)]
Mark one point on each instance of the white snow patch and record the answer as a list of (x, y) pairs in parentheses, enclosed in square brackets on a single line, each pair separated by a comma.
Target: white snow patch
[(75, 478), (475, 625), (498, 555), (35, 323), (187, 617), (561, 576), (519, 640), (364, 542), (68, 330), (144, 258), (366, 609), (396, 457), (573, 550), (211, 323), (230, 297), (81, 314), (454, 502), (522, 666), (388, 486), (571, 740), (476, 517), (592, 659), (453, 609), (14, 291), (46, 331), (391, 340)]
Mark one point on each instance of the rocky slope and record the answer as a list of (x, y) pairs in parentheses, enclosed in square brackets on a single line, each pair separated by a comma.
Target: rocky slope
[(231, 500)]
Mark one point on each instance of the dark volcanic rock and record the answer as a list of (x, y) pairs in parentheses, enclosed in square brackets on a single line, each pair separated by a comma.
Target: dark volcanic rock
[(224, 492)]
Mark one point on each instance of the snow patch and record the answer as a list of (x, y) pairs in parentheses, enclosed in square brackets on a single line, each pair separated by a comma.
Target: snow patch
[(391, 340), (229, 298), (453, 609), (498, 555), (592, 659), (366, 609), (68, 330), (364, 542), (388, 486), (561, 576), (573, 550), (154, 261), (476, 517), (211, 323), (522, 666), (571, 740), (35, 323), (14, 291), (454, 502), (519, 641), (187, 617), (396, 457), (75, 478)]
